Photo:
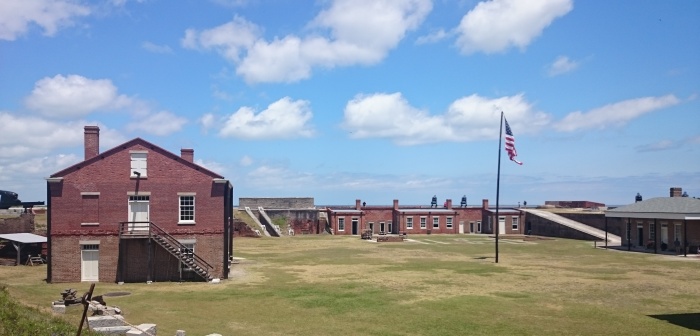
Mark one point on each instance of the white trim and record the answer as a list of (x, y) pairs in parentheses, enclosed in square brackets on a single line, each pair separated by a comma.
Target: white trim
[(133, 151), (90, 193), (219, 180), (651, 215), (89, 242), (140, 193), (187, 241), (187, 194), (89, 224), (54, 179)]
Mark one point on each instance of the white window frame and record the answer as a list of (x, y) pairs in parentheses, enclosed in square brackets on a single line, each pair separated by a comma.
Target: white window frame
[(389, 226), (341, 223), (514, 222), (448, 223), (409, 222), (182, 208), (652, 231), (423, 222), (436, 222), (139, 163), (478, 226)]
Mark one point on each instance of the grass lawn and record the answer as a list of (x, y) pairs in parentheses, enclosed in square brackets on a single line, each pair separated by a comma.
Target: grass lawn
[(437, 285)]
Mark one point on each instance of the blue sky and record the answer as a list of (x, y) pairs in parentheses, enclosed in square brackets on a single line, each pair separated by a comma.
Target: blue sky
[(369, 99)]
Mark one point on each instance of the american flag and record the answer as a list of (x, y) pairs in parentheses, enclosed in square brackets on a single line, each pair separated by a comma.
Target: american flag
[(510, 144)]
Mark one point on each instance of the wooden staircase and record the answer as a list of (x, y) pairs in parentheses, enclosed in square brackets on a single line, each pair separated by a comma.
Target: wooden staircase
[(194, 262)]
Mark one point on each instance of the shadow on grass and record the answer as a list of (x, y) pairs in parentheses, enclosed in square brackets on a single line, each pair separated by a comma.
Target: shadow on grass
[(689, 320)]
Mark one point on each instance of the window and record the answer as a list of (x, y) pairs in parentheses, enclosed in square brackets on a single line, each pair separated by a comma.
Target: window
[(652, 231), (423, 222), (677, 233), (448, 224), (436, 222), (138, 163), (90, 204), (478, 226), (409, 223), (186, 209), (371, 226), (341, 224), (390, 227), (514, 222)]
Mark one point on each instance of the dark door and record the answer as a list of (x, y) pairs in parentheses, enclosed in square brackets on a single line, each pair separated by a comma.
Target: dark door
[(354, 227), (640, 236)]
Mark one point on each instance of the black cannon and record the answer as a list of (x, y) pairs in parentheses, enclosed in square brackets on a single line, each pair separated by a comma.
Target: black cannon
[(9, 199)]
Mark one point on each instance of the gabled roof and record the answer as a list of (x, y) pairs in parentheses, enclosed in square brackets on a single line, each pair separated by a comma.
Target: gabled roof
[(128, 144), (660, 207)]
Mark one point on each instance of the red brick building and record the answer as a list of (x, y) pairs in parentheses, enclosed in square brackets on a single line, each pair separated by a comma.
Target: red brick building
[(409, 219), (137, 213), (510, 221), (662, 223)]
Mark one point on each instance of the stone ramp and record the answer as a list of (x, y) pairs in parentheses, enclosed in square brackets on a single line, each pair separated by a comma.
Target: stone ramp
[(613, 240), (257, 221), (268, 222)]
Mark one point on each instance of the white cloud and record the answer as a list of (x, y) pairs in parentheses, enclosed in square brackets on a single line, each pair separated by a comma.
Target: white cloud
[(360, 32), (659, 146), (279, 178), (74, 96), (283, 119), (616, 114), (391, 116), (561, 66), (155, 48), (208, 121), (229, 39), (433, 37), (212, 165), (159, 123), (16, 16), (25, 136), (471, 118), (246, 161), (496, 25)]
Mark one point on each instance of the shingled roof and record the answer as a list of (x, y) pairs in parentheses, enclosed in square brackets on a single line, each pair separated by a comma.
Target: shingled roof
[(660, 207)]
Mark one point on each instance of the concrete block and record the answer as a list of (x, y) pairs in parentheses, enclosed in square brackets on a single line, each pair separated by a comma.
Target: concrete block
[(143, 329), (122, 330), (180, 333), (105, 321), (59, 308)]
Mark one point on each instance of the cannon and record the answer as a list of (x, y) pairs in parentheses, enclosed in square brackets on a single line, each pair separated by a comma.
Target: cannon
[(10, 198)]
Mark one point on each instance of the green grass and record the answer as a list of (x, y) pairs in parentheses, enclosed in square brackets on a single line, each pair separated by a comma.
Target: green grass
[(17, 320), (330, 285)]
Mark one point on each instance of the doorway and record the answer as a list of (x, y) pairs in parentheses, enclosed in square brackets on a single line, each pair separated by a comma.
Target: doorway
[(90, 262), (355, 224), (640, 235), (139, 207), (461, 227)]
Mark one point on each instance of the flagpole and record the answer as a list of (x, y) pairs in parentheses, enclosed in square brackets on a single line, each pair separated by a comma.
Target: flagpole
[(498, 182)]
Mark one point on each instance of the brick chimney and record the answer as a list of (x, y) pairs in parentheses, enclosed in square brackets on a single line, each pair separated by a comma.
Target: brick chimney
[(92, 142), (676, 192), (448, 203), (358, 204), (396, 204), (485, 204), (187, 154)]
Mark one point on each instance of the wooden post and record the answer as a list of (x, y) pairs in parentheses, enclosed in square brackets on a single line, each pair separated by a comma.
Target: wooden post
[(86, 302)]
